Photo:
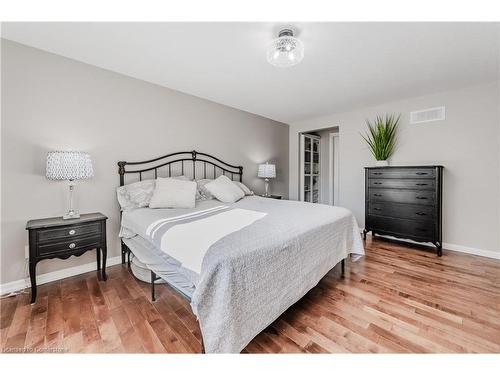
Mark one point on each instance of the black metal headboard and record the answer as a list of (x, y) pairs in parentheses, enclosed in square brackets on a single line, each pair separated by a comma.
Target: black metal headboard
[(189, 161)]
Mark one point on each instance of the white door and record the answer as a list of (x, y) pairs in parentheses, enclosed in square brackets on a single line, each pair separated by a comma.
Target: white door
[(333, 185)]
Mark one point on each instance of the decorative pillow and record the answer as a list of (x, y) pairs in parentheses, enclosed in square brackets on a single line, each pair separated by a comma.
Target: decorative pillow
[(135, 195), (173, 193), (203, 193), (138, 194), (224, 190), (243, 187)]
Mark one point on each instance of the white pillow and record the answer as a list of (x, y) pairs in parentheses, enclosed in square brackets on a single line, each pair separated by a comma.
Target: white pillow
[(135, 195), (203, 193), (173, 193), (138, 194), (224, 190), (243, 187)]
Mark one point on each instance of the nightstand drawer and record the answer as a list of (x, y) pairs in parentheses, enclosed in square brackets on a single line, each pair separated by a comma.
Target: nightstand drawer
[(69, 245), (45, 235)]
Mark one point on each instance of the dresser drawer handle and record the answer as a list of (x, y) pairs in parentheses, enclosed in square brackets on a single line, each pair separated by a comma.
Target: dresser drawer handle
[(421, 197), (420, 213), (378, 173), (421, 229), (72, 245), (422, 173), (377, 183), (377, 195), (376, 209), (72, 231), (421, 184)]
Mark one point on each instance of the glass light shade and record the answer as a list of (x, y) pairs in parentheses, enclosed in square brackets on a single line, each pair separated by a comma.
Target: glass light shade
[(286, 50), (267, 171), (69, 165)]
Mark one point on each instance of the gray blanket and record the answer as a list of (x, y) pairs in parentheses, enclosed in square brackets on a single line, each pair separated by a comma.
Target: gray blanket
[(251, 276)]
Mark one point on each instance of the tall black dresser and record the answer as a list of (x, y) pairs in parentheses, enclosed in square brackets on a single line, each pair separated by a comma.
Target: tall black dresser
[(405, 202)]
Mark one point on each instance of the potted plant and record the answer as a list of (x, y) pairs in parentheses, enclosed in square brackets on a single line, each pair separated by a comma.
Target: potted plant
[(381, 138)]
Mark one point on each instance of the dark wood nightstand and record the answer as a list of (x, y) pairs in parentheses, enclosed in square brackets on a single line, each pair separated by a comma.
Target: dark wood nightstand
[(57, 238), (272, 196)]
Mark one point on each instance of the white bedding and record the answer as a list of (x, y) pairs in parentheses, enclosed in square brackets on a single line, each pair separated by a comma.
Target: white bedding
[(189, 242), (253, 269)]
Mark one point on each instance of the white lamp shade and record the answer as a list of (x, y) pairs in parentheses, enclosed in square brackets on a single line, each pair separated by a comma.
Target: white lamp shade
[(267, 171), (69, 165)]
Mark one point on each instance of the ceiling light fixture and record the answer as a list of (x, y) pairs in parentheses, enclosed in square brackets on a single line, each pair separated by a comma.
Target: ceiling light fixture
[(286, 50)]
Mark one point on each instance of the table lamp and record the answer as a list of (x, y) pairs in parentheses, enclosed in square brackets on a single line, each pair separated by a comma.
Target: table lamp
[(266, 171), (70, 166)]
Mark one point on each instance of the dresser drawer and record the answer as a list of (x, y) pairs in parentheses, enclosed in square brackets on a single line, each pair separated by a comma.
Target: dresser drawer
[(65, 245), (402, 227), (54, 234), (401, 173), (403, 211), (424, 197), (416, 184)]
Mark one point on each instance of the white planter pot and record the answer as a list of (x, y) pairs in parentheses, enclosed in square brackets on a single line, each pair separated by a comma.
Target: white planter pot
[(381, 163)]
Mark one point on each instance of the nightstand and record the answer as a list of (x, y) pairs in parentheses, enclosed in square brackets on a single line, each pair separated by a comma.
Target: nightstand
[(272, 196), (57, 238)]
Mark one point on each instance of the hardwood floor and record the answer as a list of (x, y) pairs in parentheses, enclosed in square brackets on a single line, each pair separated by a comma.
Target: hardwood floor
[(395, 299)]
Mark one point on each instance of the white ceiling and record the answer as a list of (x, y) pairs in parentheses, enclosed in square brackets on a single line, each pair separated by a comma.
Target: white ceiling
[(346, 65)]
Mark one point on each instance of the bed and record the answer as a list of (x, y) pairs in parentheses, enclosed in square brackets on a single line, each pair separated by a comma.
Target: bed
[(241, 265)]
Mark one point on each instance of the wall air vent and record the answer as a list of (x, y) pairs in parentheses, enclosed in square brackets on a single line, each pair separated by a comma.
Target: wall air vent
[(427, 115)]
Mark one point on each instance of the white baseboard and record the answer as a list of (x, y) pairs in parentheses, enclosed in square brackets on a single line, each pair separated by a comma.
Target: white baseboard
[(471, 250), (21, 284), (452, 247)]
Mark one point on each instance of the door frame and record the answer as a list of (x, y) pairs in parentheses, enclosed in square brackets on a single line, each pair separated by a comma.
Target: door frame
[(333, 173)]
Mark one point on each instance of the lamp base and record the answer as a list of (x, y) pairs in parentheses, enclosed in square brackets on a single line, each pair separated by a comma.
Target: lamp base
[(266, 191), (71, 215)]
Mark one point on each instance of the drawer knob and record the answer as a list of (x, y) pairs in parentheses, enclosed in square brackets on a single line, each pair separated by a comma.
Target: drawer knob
[(420, 213), (421, 197), (421, 173), (72, 231), (377, 195), (72, 245), (421, 184)]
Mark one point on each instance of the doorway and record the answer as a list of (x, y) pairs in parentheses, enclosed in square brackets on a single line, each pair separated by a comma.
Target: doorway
[(319, 166)]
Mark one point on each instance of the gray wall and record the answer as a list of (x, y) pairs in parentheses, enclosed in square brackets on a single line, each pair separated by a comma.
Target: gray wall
[(466, 143), (50, 102)]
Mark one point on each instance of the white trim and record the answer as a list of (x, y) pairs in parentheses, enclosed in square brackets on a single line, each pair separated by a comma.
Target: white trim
[(331, 198), (21, 284), (301, 166), (453, 247), (472, 250), (334, 184)]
